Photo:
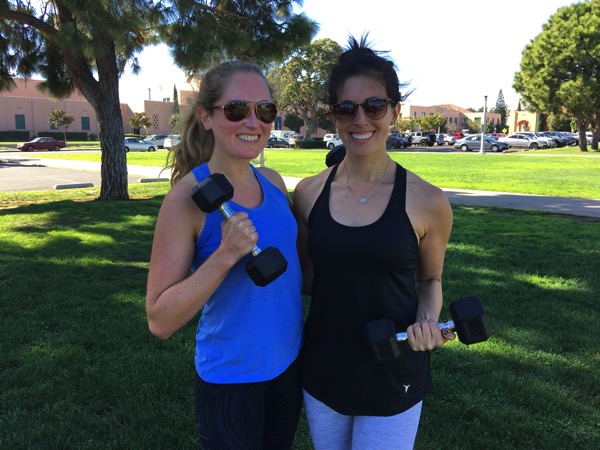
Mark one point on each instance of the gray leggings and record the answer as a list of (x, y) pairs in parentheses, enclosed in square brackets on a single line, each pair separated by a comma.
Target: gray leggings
[(330, 430)]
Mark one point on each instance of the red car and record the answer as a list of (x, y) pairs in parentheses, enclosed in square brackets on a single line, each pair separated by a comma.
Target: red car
[(41, 143)]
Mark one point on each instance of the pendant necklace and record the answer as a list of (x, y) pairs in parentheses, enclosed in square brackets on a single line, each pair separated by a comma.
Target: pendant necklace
[(362, 200)]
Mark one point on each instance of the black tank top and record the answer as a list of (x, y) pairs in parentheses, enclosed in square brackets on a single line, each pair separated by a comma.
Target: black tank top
[(362, 274)]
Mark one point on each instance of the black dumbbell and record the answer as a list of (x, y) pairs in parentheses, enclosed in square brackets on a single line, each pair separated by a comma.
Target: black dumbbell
[(213, 193), (469, 320), (335, 155)]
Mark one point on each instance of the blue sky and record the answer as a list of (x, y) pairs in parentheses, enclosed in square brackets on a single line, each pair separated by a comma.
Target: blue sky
[(449, 51)]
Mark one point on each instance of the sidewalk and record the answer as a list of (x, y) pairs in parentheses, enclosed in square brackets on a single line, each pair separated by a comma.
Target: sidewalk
[(559, 205)]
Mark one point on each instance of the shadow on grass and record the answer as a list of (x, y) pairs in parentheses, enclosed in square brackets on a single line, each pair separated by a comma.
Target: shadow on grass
[(79, 368)]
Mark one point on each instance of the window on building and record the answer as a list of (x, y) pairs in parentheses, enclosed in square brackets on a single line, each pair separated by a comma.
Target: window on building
[(85, 123), (415, 114), (464, 120), (477, 119), (20, 121), (422, 114)]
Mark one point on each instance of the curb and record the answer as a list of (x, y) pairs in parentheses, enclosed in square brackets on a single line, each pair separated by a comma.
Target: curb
[(73, 185)]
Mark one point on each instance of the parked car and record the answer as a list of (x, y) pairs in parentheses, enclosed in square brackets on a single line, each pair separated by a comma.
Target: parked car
[(496, 135), (439, 140), (329, 136), (473, 142), (457, 134), (296, 138), (449, 139), (333, 142), (41, 143), (138, 145), (406, 138), (156, 139), (522, 141), (423, 138), (559, 140), (274, 142), (172, 140), (393, 142), (548, 141)]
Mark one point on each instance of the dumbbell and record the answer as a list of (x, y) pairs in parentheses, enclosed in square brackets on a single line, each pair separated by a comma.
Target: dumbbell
[(335, 155), (469, 320), (213, 193)]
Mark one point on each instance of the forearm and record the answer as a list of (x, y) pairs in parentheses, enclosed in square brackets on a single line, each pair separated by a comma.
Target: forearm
[(179, 303), (429, 295)]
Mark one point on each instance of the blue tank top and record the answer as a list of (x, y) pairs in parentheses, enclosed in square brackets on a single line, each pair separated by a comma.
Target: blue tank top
[(248, 333)]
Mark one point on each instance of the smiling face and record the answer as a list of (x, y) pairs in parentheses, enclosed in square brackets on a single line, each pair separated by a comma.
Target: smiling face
[(248, 137), (363, 135)]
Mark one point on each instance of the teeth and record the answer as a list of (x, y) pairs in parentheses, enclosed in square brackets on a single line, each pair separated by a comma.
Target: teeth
[(362, 136), (248, 137)]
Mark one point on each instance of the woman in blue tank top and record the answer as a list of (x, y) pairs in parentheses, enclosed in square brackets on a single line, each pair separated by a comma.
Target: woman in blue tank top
[(372, 242), (247, 391)]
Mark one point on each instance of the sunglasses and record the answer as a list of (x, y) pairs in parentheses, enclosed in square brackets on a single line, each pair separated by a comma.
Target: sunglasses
[(375, 108), (236, 110)]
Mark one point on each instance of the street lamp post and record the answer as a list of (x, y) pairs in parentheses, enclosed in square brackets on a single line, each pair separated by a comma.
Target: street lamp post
[(481, 151)]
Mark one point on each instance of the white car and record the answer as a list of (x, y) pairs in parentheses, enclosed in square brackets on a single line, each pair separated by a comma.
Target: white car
[(329, 137), (172, 140), (156, 139), (333, 142), (138, 145), (449, 139)]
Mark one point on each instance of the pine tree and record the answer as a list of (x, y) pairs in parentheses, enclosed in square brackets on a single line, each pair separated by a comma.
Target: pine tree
[(175, 100)]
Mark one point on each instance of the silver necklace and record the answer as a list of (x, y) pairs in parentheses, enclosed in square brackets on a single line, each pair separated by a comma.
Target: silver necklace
[(362, 200)]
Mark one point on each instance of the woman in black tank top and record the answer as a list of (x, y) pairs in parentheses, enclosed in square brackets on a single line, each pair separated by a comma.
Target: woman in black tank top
[(372, 240)]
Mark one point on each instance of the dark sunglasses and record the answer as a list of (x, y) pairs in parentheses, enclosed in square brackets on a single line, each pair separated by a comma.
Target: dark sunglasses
[(374, 108), (236, 110)]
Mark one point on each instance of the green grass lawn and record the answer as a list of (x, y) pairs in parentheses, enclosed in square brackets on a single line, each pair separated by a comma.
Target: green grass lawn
[(80, 370), (564, 172)]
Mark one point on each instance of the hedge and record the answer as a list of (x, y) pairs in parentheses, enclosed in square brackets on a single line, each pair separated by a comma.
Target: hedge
[(14, 136)]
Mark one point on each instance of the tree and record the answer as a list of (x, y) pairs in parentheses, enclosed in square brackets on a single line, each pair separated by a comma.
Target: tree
[(175, 100), (560, 68), (175, 117), (502, 109), (303, 80), (431, 122), (293, 122), (403, 124), (59, 118), (85, 45), (139, 122)]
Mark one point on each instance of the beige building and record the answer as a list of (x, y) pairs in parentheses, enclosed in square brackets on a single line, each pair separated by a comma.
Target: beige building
[(25, 108), (456, 117)]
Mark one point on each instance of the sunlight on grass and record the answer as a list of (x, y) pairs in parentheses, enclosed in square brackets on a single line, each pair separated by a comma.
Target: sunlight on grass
[(552, 283)]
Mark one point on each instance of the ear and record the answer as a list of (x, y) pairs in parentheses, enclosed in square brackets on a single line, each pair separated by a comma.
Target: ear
[(396, 112), (204, 117)]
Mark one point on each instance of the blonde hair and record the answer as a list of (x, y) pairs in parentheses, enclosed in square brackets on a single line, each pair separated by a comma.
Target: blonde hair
[(197, 143)]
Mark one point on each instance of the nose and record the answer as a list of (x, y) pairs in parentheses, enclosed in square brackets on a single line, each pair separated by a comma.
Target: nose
[(361, 117), (252, 119)]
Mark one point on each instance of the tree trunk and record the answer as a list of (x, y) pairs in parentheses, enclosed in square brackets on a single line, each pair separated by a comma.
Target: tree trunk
[(582, 137), (104, 97)]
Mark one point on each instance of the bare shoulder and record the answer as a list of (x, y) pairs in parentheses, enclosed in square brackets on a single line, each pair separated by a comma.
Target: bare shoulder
[(307, 191), (274, 177), (425, 193), (427, 206)]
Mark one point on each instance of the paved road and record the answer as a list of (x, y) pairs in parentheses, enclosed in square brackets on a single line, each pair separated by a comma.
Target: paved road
[(28, 173)]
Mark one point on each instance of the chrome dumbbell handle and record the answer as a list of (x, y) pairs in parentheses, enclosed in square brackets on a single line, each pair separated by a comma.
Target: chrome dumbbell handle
[(228, 213), (449, 325)]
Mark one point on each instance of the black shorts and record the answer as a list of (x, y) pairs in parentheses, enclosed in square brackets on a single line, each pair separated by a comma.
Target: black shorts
[(249, 416)]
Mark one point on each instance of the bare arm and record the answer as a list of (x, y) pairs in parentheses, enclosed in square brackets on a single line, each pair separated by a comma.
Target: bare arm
[(433, 217), (174, 296)]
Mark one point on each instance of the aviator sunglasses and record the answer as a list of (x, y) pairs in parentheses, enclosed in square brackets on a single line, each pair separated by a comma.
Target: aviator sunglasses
[(374, 108), (236, 110)]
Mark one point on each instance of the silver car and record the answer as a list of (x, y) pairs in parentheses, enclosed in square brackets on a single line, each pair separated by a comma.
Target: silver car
[(473, 142), (133, 144), (522, 141)]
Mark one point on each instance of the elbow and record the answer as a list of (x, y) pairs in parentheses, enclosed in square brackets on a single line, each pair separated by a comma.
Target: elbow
[(160, 332)]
